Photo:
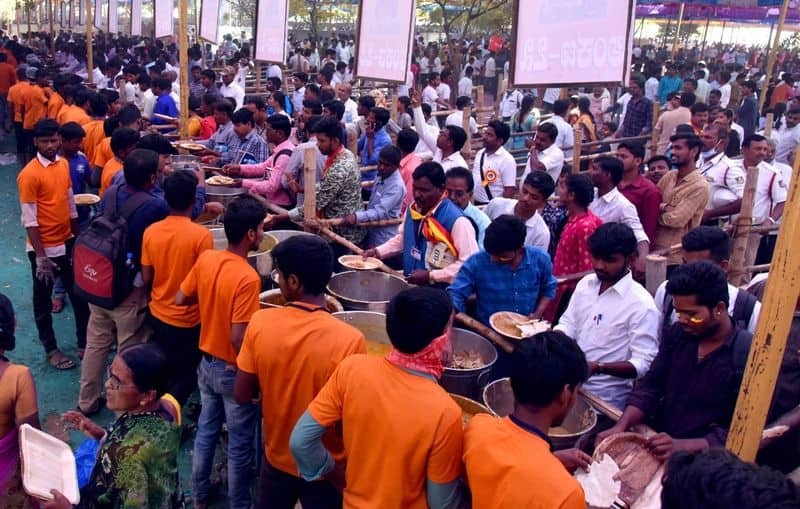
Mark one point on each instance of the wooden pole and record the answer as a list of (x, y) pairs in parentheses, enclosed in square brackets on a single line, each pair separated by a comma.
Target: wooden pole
[(653, 130), (773, 53), (310, 184), (769, 342), (705, 34), (467, 149), (393, 110), (51, 14), (768, 124), (743, 225), (677, 31), (655, 272), (183, 59), (479, 89), (258, 77), (576, 149), (19, 30), (89, 42)]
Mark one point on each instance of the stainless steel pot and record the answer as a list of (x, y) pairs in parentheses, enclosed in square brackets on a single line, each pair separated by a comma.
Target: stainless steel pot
[(373, 326), (365, 290), (184, 162), (469, 382), (260, 260), (282, 235), (580, 420), (274, 299), (223, 194)]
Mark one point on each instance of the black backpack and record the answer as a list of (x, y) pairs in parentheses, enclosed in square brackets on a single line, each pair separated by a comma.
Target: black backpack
[(100, 256)]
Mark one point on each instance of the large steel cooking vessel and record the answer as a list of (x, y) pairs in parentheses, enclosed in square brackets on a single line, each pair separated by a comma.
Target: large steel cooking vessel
[(184, 162), (274, 299), (373, 326), (469, 382), (260, 260), (365, 290), (282, 235), (580, 420), (223, 194)]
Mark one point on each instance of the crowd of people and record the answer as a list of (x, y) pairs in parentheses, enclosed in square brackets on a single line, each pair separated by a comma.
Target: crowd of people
[(342, 429)]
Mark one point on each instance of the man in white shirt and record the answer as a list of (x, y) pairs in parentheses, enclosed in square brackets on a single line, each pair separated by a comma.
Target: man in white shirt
[(512, 100), (343, 92), (446, 147), (725, 179), (230, 89), (612, 207), (703, 87), (244, 67), (711, 244), (443, 90), (430, 96), (494, 170), (465, 83), (550, 97), (536, 189), (566, 136), (651, 86), (545, 154), (612, 317), (725, 88), (457, 117), (490, 74), (300, 79), (788, 136), (275, 71)]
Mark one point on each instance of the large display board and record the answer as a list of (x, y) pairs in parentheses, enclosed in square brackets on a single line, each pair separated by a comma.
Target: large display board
[(164, 16), (563, 42), (209, 20), (384, 39), (271, 30)]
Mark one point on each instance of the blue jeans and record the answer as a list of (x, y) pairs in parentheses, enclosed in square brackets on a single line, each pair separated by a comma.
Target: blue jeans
[(215, 379)]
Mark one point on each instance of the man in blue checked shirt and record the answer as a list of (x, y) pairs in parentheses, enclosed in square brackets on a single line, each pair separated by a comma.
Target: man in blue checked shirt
[(247, 146), (506, 276), (386, 199)]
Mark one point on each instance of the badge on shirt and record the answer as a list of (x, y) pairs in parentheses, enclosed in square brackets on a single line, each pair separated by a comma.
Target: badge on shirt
[(221, 148), (439, 256), (416, 254)]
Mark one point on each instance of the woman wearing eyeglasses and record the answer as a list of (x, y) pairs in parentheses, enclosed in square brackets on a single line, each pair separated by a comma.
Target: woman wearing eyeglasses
[(136, 463)]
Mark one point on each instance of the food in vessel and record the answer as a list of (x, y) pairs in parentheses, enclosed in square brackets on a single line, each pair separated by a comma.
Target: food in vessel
[(86, 199), (219, 180), (517, 326), (378, 348), (357, 262), (192, 147), (466, 360)]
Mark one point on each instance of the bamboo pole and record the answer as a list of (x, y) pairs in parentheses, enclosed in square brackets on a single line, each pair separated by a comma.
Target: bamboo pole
[(655, 272), (357, 250), (466, 150), (479, 92), (310, 184), (576, 149), (51, 14), (772, 331), (183, 58), (678, 31), (705, 35), (258, 76), (89, 42), (653, 130), (393, 110), (743, 225), (773, 53), (768, 124)]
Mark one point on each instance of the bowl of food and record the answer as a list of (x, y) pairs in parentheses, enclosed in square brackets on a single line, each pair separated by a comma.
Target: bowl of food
[(516, 326), (358, 262), (373, 326), (86, 199), (190, 147)]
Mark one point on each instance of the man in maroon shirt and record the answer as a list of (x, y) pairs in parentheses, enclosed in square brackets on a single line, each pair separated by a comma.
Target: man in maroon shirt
[(640, 191)]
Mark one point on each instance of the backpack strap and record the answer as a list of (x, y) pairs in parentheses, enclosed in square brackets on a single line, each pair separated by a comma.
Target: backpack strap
[(740, 350), (743, 308), (135, 201)]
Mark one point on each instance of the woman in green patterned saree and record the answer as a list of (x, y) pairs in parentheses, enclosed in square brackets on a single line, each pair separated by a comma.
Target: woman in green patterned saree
[(136, 463)]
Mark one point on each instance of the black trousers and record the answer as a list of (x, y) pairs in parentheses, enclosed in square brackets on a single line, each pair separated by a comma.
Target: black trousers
[(279, 490), (181, 347), (43, 306)]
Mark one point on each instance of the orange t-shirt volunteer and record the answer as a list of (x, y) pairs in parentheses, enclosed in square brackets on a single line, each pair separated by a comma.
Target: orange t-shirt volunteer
[(111, 168), (103, 153), (94, 135), (227, 289), (316, 343), (73, 113), (55, 105), (16, 96), (8, 76), (508, 466), (35, 106), (49, 188), (171, 246), (399, 429)]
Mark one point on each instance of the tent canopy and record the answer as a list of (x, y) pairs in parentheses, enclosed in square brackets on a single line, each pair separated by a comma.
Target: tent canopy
[(740, 11)]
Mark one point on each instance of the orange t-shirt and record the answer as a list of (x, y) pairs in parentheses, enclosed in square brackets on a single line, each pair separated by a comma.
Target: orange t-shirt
[(55, 105), (227, 289), (17, 397), (49, 189), (508, 466), (316, 343), (16, 96), (103, 153), (171, 246), (399, 430), (8, 76), (73, 113), (111, 168), (94, 135), (35, 106)]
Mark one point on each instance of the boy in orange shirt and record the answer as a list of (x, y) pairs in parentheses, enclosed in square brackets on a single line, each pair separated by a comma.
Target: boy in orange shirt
[(169, 250), (515, 452), (402, 431), (16, 100), (123, 142), (226, 289), (8, 77), (35, 102), (56, 102), (76, 106), (316, 342), (98, 106), (50, 218)]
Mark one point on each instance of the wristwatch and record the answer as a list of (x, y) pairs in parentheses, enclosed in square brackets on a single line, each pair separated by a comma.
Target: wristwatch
[(430, 278), (600, 368)]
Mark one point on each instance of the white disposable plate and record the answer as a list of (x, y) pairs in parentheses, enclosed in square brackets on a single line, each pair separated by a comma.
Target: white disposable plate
[(47, 464)]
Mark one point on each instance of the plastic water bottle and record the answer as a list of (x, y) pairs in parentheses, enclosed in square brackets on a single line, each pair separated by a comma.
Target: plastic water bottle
[(129, 262)]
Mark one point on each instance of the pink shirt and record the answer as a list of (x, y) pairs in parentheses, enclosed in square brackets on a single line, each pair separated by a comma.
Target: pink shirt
[(270, 186), (407, 166)]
